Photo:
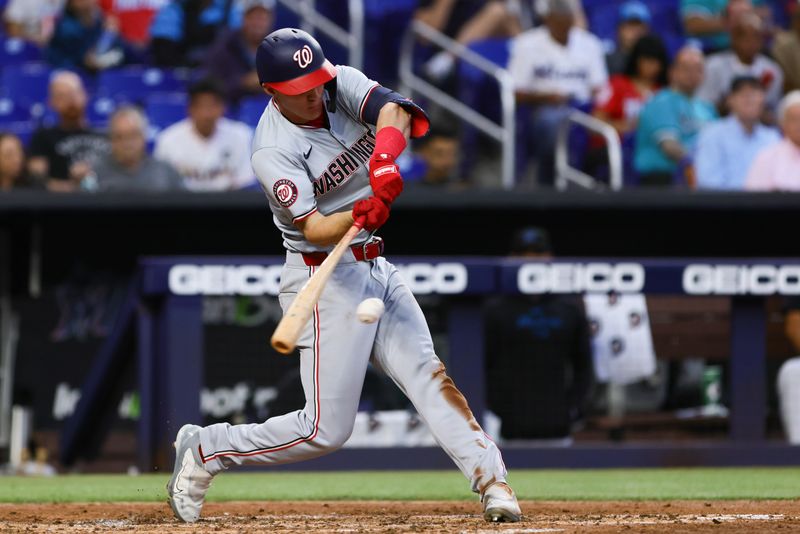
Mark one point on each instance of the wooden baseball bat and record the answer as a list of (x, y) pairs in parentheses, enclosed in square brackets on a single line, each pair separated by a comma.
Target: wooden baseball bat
[(284, 339)]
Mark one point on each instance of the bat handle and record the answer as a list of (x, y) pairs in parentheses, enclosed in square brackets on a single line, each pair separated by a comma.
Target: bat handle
[(359, 223)]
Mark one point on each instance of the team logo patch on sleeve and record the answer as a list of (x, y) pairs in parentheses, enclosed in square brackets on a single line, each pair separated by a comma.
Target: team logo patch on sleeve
[(285, 191)]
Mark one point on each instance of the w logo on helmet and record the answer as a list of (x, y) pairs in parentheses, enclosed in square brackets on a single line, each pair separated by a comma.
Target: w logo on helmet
[(304, 56)]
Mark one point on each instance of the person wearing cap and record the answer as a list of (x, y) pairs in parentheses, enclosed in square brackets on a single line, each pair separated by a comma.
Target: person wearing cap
[(211, 152), (325, 153), (232, 58), (726, 148), (538, 356), (743, 59), (669, 124), (777, 168), (555, 68), (634, 23)]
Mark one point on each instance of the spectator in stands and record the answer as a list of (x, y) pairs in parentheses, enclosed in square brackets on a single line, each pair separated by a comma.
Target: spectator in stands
[(726, 148), (540, 8), (84, 38), (744, 59), (183, 30), (645, 73), (669, 124), (135, 17), (710, 21), (32, 20), (436, 158), (128, 167), (786, 51), (555, 68), (212, 153), (13, 174), (789, 375), (465, 21), (538, 356), (634, 23), (232, 58), (62, 155), (777, 168)]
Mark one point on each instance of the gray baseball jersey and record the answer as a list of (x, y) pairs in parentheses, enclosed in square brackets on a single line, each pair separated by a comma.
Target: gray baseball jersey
[(304, 169)]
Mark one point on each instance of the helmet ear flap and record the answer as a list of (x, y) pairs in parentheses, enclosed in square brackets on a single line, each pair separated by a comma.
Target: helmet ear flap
[(330, 87)]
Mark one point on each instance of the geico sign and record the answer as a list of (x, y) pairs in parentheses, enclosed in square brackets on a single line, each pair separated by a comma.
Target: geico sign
[(426, 278), (224, 279), (579, 277), (702, 279)]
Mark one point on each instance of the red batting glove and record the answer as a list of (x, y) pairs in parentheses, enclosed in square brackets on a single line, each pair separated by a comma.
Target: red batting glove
[(384, 177), (374, 211)]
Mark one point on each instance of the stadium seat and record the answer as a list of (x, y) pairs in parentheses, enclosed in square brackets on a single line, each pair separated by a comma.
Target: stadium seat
[(480, 91), (387, 23), (12, 110), (251, 109), (603, 17), (22, 129), (27, 81), (99, 111), (14, 51), (135, 84), (166, 109), (285, 18)]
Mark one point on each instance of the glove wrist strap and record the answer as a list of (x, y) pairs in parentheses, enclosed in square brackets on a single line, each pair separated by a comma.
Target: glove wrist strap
[(389, 141)]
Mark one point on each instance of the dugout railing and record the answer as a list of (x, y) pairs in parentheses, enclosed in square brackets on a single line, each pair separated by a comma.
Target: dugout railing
[(503, 132)]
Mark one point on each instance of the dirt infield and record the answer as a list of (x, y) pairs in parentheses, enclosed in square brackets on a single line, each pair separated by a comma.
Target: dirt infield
[(674, 517)]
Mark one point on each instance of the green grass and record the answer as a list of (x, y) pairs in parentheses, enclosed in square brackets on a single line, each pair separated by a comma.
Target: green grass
[(608, 484)]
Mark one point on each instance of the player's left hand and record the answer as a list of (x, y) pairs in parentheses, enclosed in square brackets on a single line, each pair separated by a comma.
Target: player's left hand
[(374, 211), (384, 177)]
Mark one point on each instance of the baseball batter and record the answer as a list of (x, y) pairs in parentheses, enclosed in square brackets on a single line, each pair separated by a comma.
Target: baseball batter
[(324, 152)]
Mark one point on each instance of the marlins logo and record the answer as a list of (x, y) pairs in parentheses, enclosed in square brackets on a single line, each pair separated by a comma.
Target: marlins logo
[(285, 191)]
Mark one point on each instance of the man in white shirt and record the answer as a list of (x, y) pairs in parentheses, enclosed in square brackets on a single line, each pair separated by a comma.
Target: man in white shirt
[(212, 153), (555, 68), (743, 59), (32, 20)]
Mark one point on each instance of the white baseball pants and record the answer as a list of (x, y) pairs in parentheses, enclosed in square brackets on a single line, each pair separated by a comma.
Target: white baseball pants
[(334, 351)]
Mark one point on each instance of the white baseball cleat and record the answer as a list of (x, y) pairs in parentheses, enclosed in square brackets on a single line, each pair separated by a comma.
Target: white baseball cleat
[(190, 481), (500, 504)]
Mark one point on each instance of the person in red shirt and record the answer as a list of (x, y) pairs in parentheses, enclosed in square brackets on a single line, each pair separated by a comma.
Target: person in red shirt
[(134, 17), (622, 99), (646, 72)]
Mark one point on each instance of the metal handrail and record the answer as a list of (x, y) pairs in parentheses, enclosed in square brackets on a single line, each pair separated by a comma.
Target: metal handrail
[(565, 173), (504, 132), (311, 20), (9, 334)]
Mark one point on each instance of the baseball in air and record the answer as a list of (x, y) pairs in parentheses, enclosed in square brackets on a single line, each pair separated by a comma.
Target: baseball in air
[(370, 310)]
